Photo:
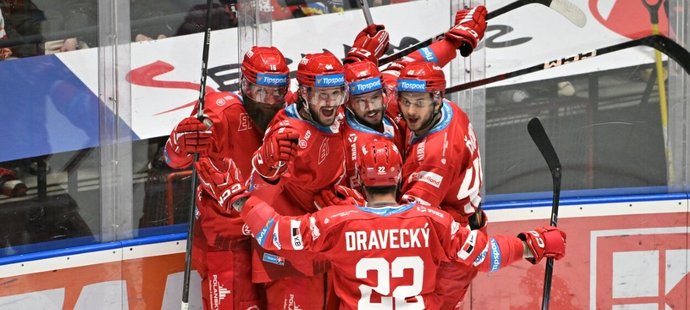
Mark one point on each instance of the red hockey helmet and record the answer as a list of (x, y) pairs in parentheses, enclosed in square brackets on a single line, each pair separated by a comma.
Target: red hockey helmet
[(265, 66), (421, 77), (380, 164), (363, 77), (320, 70)]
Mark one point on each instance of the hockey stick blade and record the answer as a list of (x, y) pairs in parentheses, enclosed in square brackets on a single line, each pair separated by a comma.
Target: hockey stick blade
[(541, 140), (658, 42), (563, 7)]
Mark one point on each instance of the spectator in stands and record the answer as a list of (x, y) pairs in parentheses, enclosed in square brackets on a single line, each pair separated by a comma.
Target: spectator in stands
[(77, 19), (5, 52), (23, 21), (153, 20), (222, 17)]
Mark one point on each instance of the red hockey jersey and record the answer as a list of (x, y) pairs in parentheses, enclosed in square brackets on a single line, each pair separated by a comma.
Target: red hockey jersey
[(382, 256), (318, 165), (234, 133), (356, 135), (443, 167)]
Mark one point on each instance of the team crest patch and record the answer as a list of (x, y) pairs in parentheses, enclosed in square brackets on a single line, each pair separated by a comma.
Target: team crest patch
[(323, 150), (245, 122)]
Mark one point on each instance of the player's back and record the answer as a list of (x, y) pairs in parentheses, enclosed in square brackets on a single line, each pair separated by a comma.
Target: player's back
[(385, 256)]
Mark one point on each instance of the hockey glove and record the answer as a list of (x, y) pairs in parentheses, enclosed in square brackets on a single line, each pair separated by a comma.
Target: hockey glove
[(370, 44), (469, 28), (222, 181), (271, 159), (341, 196), (543, 242), (191, 136)]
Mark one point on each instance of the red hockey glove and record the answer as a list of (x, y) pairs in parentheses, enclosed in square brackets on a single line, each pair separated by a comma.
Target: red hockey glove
[(543, 242), (370, 44), (341, 196), (191, 136), (469, 28), (271, 159), (222, 181)]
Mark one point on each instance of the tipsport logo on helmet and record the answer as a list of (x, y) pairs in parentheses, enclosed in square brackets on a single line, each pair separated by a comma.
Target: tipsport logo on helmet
[(330, 80), (365, 86), (412, 86), (266, 79)]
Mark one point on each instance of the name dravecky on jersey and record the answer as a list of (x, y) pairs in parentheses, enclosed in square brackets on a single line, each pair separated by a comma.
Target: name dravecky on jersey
[(379, 239)]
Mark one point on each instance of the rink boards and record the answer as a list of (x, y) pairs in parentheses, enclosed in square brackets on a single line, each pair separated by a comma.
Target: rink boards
[(632, 253)]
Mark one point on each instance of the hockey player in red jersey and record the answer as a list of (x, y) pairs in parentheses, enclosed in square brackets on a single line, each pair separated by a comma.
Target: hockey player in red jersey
[(384, 255), (372, 113), (366, 116), (302, 155), (221, 249), (443, 164)]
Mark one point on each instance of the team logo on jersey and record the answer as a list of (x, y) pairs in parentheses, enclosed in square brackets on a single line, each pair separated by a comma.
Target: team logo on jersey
[(296, 235), (245, 230), (220, 102), (428, 177), (290, 304), (323, 150), (352, 138), (245, 122), (218, 291), (315, 233)]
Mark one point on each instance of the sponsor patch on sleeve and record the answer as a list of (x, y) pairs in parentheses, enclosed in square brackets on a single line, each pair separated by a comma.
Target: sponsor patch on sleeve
[(296, 235), (431, 178)]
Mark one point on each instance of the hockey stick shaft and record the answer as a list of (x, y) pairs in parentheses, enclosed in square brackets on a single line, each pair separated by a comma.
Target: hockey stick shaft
[(653, 10), (367, 12), (541, 140), (563, 7), (658, 42), (192, 208)]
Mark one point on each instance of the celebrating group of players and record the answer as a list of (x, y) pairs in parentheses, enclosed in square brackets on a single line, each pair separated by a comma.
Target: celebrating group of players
[(287, 168)]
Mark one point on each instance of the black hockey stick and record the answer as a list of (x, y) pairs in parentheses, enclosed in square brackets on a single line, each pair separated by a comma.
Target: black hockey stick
[(658, 42), (563, 7), (538, 134), (367, 12), (199, 115)]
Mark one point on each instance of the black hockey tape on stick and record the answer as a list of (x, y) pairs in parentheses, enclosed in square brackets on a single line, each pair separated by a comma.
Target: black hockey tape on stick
[(199, 115), (658, 42), (541, 140), (563, 7)]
